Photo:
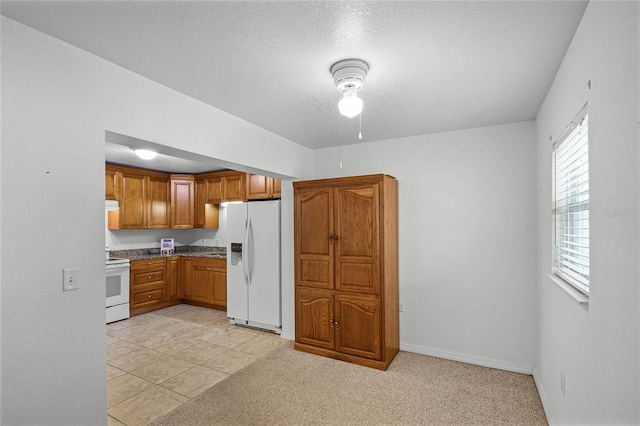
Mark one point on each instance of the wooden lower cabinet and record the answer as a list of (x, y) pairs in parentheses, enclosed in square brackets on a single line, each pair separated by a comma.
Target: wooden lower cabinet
[(357, 325), (173, 278), (349, 324), (148, 285), (205, 282), (314, 318), (154, 284)]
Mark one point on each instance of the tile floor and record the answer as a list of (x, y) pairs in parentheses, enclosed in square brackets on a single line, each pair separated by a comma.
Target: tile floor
[(158, 361)]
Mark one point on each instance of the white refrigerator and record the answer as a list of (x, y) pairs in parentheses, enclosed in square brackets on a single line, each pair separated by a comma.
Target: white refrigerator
[(253, 265)]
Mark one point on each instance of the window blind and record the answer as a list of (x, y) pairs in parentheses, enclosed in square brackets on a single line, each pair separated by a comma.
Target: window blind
[(571, 206)]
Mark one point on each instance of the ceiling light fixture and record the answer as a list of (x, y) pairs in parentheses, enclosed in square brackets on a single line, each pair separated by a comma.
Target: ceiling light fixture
[(349, 76), (145, 154)]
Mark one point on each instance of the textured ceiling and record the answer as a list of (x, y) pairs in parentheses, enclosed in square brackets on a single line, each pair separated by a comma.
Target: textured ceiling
[(434, 66)]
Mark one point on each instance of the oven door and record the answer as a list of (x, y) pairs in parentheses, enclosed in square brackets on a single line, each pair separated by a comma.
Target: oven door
[(117, 281)]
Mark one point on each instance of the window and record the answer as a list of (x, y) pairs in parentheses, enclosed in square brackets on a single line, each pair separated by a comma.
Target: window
[(571, 204)]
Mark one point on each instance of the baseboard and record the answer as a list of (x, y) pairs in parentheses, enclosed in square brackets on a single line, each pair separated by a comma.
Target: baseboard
[(469, 359), (543, 397), (288, 336)]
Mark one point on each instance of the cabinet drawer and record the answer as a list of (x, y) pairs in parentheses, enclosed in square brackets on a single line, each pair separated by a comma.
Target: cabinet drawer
[(148, 277), (148, 264), (149, 297)]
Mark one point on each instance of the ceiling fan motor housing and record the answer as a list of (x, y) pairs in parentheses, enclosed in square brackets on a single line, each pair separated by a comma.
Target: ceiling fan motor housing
[(349, 74)]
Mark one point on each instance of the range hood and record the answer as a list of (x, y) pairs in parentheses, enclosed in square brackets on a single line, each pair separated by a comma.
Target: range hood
[(112, 205)]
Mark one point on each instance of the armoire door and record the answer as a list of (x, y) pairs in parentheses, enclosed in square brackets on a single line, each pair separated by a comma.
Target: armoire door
[(314, 238), (358, 325), (357, 234), (315, 317)]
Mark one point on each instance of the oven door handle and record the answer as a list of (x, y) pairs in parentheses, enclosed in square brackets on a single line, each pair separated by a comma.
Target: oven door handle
[(118, 266)]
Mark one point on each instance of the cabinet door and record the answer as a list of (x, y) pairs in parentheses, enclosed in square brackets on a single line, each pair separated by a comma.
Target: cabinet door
[(314, 317), (258, 187), (112, 184), (182, 203), (219, 291), (201, 277), (313, 247), (276, 188), (132, 202), (358, 325), (200, 201), (187, 283), (172, 278), (234, 187), (357, 239), (158, 205), (214, 190)]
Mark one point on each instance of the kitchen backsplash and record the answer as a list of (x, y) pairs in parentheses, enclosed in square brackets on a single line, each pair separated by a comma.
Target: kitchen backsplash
[(129, 239)]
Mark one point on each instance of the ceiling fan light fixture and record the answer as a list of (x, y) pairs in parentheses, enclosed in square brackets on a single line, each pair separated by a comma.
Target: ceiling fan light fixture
[(145, 154), (349, 76), (350, 105)]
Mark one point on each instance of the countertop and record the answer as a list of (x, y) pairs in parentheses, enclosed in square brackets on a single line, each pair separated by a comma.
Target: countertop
[(181, 251)]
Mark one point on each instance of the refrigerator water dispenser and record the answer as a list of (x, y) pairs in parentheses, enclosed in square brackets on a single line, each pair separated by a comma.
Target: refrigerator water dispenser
[(236, 253)]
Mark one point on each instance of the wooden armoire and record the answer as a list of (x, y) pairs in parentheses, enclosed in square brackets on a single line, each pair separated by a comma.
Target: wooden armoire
[(346, 268)]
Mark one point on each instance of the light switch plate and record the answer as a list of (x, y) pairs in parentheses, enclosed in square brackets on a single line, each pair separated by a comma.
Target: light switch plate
[(70, 279)]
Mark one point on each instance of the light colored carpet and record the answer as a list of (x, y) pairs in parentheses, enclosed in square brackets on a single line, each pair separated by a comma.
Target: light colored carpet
[(288, 387)]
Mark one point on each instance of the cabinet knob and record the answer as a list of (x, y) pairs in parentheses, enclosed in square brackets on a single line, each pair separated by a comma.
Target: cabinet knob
[(149, 276), (149, 296)]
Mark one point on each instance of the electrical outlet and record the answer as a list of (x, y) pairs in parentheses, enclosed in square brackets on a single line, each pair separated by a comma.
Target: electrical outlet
[(401, 306), (70, 279), (562, 382)]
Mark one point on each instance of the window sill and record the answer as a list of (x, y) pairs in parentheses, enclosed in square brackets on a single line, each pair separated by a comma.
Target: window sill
[(579, 297)]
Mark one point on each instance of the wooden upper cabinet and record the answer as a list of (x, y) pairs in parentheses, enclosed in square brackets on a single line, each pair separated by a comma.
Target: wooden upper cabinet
[(235, 187), (144, 198), (206, 215), (214, 189), (276, 188), (224, 186), (263, 187), (133, 202), (182, 201), (200, 195), (159, 202), (112, 184)]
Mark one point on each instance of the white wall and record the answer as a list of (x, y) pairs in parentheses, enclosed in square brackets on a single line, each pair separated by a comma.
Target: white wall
[(466, 238), (597, 347), (57, 103)]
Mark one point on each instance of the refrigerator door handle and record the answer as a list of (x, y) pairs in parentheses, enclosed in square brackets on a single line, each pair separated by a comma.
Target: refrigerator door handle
[(250, 260), (245, 252)]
